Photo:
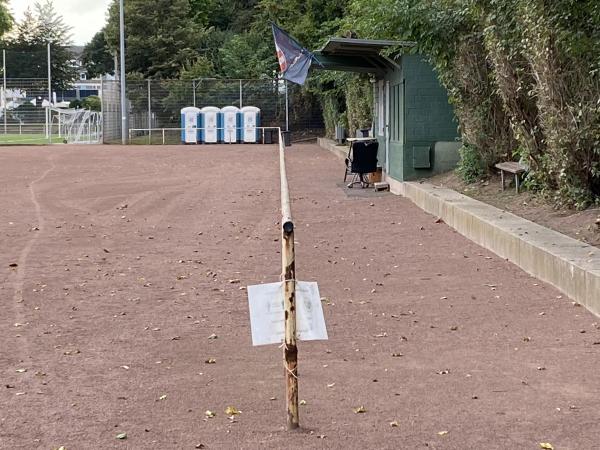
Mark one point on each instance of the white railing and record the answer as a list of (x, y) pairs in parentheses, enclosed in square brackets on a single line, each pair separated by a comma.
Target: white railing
[(163, 131)]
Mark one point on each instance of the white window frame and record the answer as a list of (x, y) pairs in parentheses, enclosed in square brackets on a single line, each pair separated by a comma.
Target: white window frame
[(381, 108)]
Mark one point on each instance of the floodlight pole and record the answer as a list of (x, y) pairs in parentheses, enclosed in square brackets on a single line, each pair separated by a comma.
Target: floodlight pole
[(124, 129), (49, 93), (4, 90)]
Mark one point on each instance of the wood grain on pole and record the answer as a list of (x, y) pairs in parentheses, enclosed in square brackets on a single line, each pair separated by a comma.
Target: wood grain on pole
[(288, 275)]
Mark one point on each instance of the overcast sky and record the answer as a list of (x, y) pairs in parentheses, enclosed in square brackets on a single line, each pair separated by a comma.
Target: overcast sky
[(86, 17)]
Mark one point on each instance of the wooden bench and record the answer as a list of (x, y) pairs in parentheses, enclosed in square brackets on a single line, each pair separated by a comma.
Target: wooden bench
[(511, 167)]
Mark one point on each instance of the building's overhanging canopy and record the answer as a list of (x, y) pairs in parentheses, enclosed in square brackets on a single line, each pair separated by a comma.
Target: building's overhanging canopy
[(357, 55)]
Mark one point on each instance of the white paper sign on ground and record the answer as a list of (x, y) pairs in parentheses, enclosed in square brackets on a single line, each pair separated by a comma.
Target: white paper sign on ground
[(267, 313)]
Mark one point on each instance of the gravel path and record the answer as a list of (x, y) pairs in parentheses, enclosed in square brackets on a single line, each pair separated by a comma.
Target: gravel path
[(128, 260)]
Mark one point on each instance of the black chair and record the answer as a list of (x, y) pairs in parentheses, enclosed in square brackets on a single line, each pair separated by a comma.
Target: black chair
[(361, 160)]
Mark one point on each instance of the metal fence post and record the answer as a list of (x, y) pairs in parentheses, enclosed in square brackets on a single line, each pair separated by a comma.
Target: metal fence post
[(241, 95), (149, 112), (194, 92)]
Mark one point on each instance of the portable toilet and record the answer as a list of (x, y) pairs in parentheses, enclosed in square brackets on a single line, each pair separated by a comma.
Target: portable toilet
[(211, 122), (189, 125), (250, 123), (231, 130)]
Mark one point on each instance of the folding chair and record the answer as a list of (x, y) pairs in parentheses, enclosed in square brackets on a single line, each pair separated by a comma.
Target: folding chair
[(361, 160)]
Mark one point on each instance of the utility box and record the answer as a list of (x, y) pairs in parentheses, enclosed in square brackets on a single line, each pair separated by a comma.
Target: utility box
[(211, 122), (250, 123), (190, 119), (231, 129)]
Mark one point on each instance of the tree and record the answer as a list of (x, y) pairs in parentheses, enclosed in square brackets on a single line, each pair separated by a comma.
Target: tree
[(161, 36), (6, 20), (236, 16), (247, 55), (97, 58), (27, 49)]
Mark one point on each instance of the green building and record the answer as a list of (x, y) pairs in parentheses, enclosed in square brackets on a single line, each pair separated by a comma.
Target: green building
[(413, 121)]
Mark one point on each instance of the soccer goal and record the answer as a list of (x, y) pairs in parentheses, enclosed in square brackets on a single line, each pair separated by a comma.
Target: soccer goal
[(74, 126)]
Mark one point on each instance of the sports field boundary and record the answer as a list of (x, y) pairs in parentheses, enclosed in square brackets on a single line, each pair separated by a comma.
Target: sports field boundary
[(570, 265)]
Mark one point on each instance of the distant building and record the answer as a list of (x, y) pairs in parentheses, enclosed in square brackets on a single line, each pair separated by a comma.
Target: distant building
[(82, 87)]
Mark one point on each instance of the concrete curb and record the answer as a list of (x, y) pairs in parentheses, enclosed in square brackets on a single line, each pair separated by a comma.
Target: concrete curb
[(340, 151), (568, 264)]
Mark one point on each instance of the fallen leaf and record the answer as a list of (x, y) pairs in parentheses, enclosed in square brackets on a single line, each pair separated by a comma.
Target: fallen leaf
[(13, 265), (232, 411), (163, 397), (394, 424), (360, 410), (442, 433), (213, 336), (209, 414), (121, 436), (397, 355), (210, 361), (303, 402), (21, 370), (546, 445)]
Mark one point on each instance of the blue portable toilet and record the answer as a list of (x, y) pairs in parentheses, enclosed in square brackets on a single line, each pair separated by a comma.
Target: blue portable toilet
[(250, 122), (189, 125), (211, 123), (231, 120)]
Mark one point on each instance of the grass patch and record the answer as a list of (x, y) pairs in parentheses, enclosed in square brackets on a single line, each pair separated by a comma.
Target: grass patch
[(27, 139)]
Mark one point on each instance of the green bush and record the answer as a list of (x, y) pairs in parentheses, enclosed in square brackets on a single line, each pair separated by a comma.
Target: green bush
[(93, 103), (471, 167)]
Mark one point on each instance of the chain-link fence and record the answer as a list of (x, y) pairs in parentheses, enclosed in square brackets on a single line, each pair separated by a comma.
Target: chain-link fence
[(155, 106), (23, 108), (30, 86)]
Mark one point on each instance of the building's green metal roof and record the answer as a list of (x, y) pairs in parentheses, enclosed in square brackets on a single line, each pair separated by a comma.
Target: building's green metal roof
[(357, 55)]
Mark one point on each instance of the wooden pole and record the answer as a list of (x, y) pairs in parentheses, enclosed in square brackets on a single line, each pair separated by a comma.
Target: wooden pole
[(288, 259)]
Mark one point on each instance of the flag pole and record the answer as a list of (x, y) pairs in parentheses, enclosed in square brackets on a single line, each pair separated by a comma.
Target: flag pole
[(287, 107)]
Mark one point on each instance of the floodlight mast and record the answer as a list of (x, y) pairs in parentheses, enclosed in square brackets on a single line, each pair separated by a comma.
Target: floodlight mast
[(124, 130)]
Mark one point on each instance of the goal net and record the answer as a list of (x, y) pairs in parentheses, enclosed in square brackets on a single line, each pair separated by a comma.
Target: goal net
[(75, 126)]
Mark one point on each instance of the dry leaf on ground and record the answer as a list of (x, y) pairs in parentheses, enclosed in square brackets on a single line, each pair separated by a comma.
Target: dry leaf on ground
[(232, 411)]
